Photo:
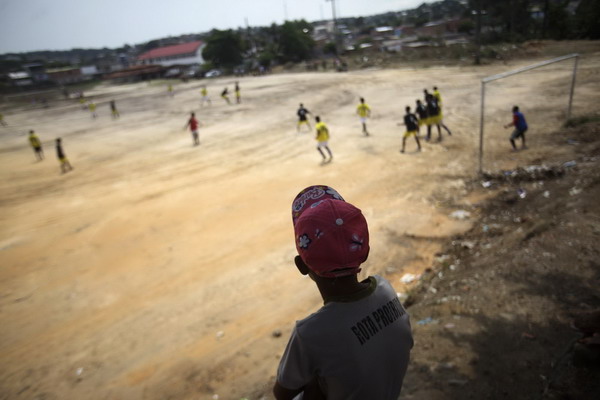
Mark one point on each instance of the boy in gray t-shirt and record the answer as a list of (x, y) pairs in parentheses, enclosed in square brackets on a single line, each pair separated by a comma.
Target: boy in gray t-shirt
[(357, 345)]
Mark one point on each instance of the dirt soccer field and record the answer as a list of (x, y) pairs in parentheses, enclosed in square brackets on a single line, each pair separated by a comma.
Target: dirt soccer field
[(156, 269)]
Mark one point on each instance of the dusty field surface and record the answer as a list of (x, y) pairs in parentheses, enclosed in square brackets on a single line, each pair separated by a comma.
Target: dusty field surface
[(160, 270)]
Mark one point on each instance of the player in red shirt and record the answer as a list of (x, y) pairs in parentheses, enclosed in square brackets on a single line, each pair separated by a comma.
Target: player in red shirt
[(193, 124)]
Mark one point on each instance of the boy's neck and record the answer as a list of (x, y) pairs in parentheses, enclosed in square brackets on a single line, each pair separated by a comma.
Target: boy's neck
[(332, 288)]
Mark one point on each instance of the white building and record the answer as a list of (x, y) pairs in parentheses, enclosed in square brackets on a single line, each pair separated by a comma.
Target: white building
[(179, 54)]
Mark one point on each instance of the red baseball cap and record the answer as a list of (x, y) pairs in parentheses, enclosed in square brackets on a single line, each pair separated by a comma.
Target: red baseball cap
[(332, 236)]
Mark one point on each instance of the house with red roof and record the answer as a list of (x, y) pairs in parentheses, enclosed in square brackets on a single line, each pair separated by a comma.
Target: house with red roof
[(178, 54)]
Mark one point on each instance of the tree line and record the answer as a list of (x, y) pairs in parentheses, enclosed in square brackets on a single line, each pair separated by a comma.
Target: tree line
[(489, 21)]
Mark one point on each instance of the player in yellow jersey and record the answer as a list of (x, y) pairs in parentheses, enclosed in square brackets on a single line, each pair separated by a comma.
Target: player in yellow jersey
[(92, 107), (438, 98), (323, 140), (2, 122), (36, 144), (170, 90), (205, 98), (364, 112)]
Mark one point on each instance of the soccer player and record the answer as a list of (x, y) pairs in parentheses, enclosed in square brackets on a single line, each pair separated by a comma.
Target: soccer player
[(438, 98), (92, 107), (225, 95), (364, 111), (323, 139), (238, 96), (412, 128), (2, 122), (65, 165), (113, 110), (433, 112), (36, 144), (193, 124), (520, 128), (421, 113), (357, 345), (205, 98), (302, 117), (170, 90), (82, 101)]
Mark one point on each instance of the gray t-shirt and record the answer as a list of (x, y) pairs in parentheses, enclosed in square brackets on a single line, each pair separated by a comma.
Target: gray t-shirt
[(358, 349)]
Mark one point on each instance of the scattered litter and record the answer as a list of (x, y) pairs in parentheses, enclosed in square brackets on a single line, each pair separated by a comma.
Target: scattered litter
[(441, 274), (572, 141), (220, 334), (467, 244), (433, 290), (460, 214), (452, 267), (426, 321), (449, 326), (448, 365), (574, 191), (402, 297), (486, 184), (276, 333), (522, 193), (530, 173), (79, 371), (408, 278), (215, 397), (449, 298), (442, 258), (517, 220), (570, 164), (546, 194)]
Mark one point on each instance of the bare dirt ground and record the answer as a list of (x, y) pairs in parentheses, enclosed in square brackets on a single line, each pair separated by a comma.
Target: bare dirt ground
[(159, 270)]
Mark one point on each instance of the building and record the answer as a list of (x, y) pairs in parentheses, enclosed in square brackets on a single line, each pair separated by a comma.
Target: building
[(179, 54), (64, 76), (137, 73)]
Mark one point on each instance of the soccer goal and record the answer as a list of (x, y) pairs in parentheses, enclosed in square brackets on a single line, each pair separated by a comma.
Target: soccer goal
[(504, 75)]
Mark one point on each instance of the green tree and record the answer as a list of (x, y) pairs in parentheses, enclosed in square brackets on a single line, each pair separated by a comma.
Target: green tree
[(330, 48), (295, 41), (224, 48), (587, 16), (556, 21)]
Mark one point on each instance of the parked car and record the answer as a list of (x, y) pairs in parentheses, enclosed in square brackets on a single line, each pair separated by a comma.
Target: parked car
[(213, 73)]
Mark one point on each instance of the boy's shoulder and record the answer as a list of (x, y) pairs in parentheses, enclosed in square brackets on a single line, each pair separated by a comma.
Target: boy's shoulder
[(333, 313)]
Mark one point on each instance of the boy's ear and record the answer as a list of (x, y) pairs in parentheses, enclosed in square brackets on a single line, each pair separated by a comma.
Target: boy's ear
[(302, 267)]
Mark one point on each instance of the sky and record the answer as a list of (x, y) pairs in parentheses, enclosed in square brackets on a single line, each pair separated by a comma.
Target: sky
[(29, 25)]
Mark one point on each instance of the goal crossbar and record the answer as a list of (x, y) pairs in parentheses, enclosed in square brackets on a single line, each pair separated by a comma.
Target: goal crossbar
[(496, 77)]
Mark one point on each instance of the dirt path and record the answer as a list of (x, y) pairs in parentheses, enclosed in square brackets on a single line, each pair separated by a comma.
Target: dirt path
[(159, 270)]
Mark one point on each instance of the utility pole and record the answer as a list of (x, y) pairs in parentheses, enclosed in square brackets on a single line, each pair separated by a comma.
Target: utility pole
[(336, 36)]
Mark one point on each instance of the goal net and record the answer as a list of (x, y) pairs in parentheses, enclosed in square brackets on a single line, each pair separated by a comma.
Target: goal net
[(544, 94)]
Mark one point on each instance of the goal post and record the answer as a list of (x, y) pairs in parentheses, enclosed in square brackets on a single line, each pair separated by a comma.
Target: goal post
[(507, 74)]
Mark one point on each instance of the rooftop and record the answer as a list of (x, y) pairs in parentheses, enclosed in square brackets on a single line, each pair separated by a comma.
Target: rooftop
[(174, 50)]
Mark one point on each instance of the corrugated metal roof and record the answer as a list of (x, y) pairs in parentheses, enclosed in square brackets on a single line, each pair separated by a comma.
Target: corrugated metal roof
[(174, 50)]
